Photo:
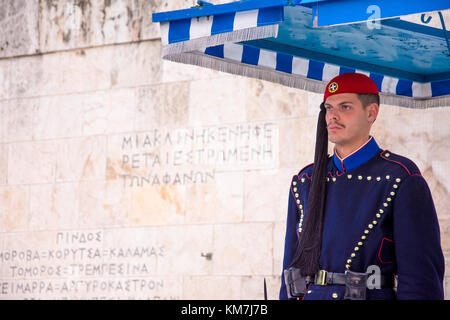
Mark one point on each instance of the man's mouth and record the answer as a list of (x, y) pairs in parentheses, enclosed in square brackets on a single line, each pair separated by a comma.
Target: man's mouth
[(334, 127)]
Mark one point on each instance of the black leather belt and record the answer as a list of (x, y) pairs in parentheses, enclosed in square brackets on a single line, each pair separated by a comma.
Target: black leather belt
[(356, 283), (324, 277)]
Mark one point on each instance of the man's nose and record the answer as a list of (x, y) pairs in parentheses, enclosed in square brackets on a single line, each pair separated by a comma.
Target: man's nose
[(332, 114)]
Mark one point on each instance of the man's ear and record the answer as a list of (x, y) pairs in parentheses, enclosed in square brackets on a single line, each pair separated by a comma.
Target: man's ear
[(372, 112)]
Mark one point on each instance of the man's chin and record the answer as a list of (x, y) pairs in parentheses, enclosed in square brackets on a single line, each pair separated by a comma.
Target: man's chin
[(334, 140)]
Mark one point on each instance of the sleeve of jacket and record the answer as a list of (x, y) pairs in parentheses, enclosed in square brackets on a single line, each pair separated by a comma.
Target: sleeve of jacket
[(290, 241), (420, 262)]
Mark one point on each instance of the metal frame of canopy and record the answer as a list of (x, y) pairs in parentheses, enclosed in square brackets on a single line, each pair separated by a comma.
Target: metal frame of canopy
[(275, 40)]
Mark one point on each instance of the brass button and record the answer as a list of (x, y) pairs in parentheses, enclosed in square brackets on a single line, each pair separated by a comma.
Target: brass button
[(392, 193), (298, 201), (360, 177), (385, 204), (353, 255), (395, 186), (303, 180), (381, 211), (349, 176), (328, 179), (360, 243), (294, 183), (378, 215), (389, 199), (366, 231), (349, 260), (398, 180), (388, 177), (363, 237), (374, 222), (334, 179), (370, 226), (387, 154), (347, 266), (356, 248), (309, 291), (296, 195), (334, 295), (295, 189), (369, 178), (378, 178)]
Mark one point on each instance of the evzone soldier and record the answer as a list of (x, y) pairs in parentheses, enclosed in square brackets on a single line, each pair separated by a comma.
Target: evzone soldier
[(361, 223)]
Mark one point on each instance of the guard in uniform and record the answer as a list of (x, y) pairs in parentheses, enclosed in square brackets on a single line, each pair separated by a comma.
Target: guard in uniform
[(360, 225)]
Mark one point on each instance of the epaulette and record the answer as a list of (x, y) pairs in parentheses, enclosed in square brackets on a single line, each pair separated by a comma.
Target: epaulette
[(306, 172), (408, 165)]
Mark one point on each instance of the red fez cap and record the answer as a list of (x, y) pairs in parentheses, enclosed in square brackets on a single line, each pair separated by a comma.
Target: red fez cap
[(350, 83)]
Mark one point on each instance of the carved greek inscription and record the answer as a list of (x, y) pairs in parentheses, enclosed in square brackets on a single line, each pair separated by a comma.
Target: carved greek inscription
[(193, 155), (81, 264)]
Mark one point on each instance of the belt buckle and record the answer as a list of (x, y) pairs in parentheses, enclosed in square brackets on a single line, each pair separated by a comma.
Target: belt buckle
[(321, 278)]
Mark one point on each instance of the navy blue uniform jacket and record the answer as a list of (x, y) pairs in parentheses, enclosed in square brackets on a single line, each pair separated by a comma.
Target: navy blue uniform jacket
[(379, 211)]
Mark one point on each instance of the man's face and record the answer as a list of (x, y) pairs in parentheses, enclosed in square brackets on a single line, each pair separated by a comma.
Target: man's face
[(348, 122)]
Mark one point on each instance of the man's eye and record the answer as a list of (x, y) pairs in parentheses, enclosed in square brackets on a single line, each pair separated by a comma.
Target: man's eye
[(346, 107)]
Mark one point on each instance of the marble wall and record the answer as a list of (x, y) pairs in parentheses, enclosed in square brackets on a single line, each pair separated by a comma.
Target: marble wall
[(125, 176)]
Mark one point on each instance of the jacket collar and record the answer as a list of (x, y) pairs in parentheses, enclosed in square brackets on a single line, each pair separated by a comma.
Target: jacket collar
[(357, 157)]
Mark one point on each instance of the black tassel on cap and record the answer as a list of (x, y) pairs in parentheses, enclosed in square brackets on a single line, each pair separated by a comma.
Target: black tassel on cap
[(307, 254)]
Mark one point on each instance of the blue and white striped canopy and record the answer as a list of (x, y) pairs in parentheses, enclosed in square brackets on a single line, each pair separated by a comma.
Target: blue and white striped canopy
[(274, 40)]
